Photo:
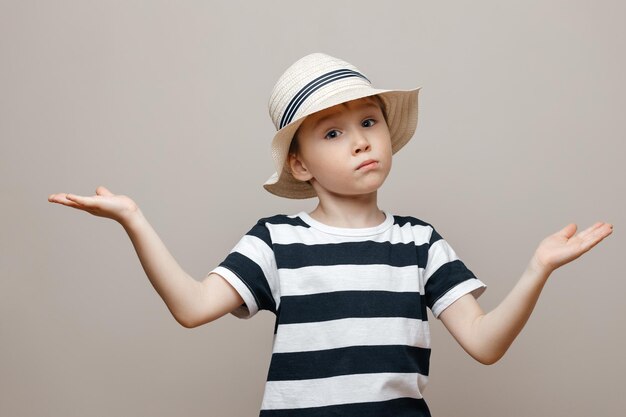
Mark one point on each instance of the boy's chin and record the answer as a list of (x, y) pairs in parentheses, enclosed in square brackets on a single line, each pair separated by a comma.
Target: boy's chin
[(350, 192)]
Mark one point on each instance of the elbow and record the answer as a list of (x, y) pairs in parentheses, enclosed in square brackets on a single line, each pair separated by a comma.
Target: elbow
[(486, 354), (190, 321), (186, 324), (488, 358), (186, 321)]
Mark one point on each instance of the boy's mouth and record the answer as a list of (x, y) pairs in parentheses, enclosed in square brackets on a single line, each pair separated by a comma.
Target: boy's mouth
[(366, 163)]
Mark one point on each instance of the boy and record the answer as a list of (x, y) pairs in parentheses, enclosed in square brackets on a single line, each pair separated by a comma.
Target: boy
[(349, 284)]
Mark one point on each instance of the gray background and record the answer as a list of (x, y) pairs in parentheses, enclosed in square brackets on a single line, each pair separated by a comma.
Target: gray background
[(521, 132)]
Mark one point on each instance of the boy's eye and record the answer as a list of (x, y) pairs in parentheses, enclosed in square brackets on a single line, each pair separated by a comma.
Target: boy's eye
[(332, 134), (367, 124)]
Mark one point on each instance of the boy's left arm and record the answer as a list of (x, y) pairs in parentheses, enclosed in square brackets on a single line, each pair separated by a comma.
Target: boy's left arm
[(486, 337)]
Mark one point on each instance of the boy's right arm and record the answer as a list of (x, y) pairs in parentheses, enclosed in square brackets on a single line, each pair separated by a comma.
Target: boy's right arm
[(192, 303)]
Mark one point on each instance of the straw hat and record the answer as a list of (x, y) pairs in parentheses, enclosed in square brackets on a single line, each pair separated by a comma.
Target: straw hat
[(316, 82)]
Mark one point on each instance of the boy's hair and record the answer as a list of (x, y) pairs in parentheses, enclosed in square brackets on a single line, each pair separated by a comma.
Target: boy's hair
[(294, 147)]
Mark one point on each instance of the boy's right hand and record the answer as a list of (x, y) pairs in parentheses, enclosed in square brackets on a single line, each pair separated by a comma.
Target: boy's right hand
[(104, 204)]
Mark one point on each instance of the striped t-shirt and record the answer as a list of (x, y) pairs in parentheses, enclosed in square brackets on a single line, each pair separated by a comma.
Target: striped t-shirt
[(351, 336)]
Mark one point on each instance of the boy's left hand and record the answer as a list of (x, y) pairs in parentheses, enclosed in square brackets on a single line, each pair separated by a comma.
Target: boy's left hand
[(562, 247)]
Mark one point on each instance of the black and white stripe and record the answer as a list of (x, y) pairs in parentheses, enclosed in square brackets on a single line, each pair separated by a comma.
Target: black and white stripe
[(351, 334), (311, 88)]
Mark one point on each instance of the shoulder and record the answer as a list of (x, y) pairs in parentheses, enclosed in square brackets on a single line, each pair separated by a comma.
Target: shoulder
[(422, 229), (267, 228), (410, 220), (278, 219)]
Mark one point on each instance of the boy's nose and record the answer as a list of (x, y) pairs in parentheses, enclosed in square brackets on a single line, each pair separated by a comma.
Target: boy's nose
[(360, 143)]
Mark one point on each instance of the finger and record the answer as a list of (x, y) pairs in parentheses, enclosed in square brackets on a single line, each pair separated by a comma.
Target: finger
[(80, 200), (596, 236), (605, 230), (101, 190), (568, 231), (589, 230), (61, 198)]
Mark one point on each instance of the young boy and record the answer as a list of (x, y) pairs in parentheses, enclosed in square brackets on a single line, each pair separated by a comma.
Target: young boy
[(349, 284)]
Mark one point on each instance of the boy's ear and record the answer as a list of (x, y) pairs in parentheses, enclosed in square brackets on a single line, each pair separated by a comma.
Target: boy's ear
[(298, 168)]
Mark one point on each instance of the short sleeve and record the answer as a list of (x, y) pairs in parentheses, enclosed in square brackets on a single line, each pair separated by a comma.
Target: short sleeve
[(250, 268), (446, 277)]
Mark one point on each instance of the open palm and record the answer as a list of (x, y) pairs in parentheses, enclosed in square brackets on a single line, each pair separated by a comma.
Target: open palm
[(563, 246), (103, 204)]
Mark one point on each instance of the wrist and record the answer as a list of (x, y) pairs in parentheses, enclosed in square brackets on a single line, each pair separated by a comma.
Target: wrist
[(535, 266), (131, 219)]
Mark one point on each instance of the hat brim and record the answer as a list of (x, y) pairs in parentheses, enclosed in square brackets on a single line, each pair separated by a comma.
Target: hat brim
[(401, 108)]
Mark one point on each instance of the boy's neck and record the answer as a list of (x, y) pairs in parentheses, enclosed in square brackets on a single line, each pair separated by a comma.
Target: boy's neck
[(349, 211)]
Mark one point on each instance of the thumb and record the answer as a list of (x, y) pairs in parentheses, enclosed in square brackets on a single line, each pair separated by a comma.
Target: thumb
[(568, 231), (101, 190)]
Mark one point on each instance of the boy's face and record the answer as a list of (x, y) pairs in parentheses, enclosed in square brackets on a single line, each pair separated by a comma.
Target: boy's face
[(334, 142)]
